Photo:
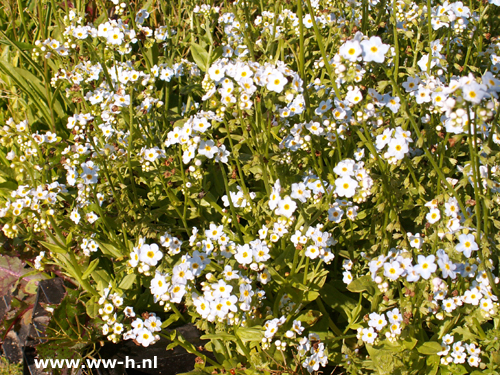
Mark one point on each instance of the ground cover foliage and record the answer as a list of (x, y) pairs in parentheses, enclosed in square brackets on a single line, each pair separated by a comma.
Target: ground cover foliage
[(311, 183)]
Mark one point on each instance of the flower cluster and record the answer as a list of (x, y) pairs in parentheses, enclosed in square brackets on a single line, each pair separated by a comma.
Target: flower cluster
[(316, 183)]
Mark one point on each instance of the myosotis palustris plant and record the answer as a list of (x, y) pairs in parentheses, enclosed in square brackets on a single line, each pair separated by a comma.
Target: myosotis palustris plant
[(311, 183)]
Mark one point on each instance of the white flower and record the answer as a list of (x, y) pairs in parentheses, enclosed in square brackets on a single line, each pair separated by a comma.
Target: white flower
[(467, 244), (208, 148), (415, 240), (411, 84), (75, 216), (374, 49), (50, 137), (447, 267), (449, 305), (274, 199), (150, 254), (393, 270), (312, 252), (377, 321), (397, 148), (425, 266), (323, 106), (89, 173), (300, 192), (244, 254), (474, 92), (335, 214), (216, 72), (222, 154), (354, 96), (350, 50), (459, 357), (159, 285), (177, 292), (345, 168), (423, 95), (486, 304), (448, 339), (473, 296), (347, 277), (311, 364), (144, 337), (153, 323), (286, 207), (474, 360), (115, 36), (369, 335), (345, 186), (307, 21), (422, 63), (264, 276), (181, 273), (221, 289), (202, 307), (276, 82), (394, 316), (141, 16), (433, 216)]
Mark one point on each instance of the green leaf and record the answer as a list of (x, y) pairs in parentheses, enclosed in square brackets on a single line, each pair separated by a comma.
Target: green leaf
[(109, 249), (22, 47), (219, 335), (310, 317), (276, 276), (170, 320), (337, 300), (91, 267), (127, 281), (466, 333), (310, 296), (92, 308), (430, 348), (32, 88), (410, 342), (101, 276), (433, 364), (200, 56), (364, 283), (53, 247), (69, 238), (250, 334), (216, 53)]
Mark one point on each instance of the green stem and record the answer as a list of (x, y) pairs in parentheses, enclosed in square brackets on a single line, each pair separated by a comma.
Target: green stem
[(174, 201), (184, 189), (332, 325), (396, 41), (231, 205), (177, 312), (23, 21), (412, 172), (190, 349), (306, 270), (242, 177), (429, 30), (478, 29), (302, 53), (428, 154), (129, 150), (441, 156), (319, 39)]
